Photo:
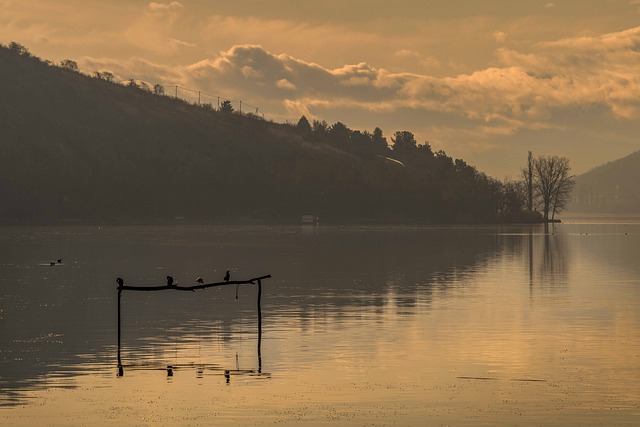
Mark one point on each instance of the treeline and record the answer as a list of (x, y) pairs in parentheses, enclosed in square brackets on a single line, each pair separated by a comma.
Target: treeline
[(79, 147), (440, 188)]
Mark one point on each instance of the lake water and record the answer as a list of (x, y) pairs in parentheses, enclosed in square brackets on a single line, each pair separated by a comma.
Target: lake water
[(512, 325)]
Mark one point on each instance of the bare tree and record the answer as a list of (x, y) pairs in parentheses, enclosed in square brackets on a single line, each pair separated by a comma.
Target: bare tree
[(552, 183)]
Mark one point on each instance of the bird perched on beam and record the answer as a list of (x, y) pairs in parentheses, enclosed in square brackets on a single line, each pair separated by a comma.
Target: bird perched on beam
[(227, 276), (120, 282), (169, 281), (199, 280)]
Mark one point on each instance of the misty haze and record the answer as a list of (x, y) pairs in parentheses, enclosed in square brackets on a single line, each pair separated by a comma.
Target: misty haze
[(335, 213)]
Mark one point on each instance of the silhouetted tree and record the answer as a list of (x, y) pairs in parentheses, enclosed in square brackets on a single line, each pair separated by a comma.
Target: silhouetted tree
[(303, 125), (361, 142), (107, 76), (69, 64), (552, 183), (226, 107), (340, 134), (425, 151), (403, 141), (158, 89), (321, 126), (379, 141), (320, 131), (514, 198), (19, 49)]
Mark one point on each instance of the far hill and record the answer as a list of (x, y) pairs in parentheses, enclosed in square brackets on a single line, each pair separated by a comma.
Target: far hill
[(79, 148), (610, 188)]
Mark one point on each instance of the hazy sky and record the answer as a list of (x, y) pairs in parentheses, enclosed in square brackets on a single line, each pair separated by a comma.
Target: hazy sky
[(484, 80)]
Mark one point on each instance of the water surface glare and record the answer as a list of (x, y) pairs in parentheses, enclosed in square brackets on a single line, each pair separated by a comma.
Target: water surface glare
[(517, 325)]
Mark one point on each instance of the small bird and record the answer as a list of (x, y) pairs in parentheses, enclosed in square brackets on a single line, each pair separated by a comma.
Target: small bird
[(52, 263), (199, 280), (227, 276), (59, 261), (119, 281), (169, 281)]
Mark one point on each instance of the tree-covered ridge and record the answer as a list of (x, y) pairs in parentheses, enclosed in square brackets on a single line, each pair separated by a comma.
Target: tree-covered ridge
[(79, 147)]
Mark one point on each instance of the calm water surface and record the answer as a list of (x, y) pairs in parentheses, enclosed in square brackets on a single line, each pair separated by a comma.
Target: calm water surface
[(360, 326)]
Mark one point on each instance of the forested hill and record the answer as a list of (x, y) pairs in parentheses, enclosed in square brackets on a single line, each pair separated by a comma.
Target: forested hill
[(79, 148), (610, 188)]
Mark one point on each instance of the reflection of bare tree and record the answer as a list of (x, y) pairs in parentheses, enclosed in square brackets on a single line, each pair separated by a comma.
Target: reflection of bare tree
[(530, 241), (553, 267), (548, 258)]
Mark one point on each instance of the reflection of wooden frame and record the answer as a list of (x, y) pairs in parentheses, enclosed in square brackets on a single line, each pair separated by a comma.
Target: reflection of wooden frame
[(123, 287)]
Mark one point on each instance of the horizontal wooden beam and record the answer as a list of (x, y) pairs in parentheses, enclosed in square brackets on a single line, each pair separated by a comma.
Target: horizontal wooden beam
[(253, 281)]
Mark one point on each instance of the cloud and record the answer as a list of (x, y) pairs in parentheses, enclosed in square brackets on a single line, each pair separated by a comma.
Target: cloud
[(500, 36), (579, 84), (525, 92), (133, 68), (285, 84), (161, 7)]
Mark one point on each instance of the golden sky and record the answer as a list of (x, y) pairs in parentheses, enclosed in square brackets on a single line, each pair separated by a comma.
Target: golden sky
[(484, 80)]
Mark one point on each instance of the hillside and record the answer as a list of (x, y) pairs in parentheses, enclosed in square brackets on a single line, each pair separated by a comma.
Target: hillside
[(78, 148), (610, 188)]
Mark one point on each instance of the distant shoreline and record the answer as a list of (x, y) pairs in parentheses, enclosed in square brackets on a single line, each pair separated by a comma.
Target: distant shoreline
[(567, 218)]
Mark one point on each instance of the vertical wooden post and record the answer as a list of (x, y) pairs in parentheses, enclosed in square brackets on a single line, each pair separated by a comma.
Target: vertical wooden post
[(259, 326), (120, 370)]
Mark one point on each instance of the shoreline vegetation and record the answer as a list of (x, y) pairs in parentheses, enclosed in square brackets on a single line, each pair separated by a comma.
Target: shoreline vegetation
[(101, 149), (522, 218)]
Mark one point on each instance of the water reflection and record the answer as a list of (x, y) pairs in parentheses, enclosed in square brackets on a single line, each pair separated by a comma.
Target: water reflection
[(55, 316), (200, 367), (406, 320), (553, 270), (201, 286)]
